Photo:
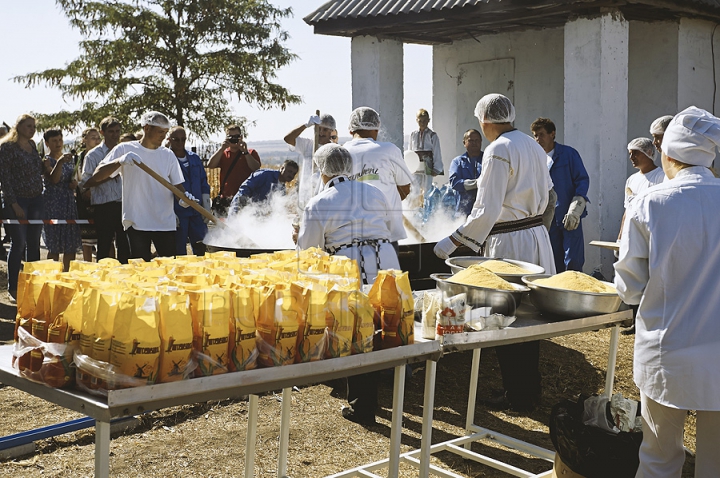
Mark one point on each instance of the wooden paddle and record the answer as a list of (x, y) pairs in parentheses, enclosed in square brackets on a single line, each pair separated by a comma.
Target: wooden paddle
[(409, 226)]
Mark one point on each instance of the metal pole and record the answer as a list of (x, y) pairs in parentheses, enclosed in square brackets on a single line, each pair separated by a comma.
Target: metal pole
[(612, 359), (284, 432), (102, 449), (397, 416), (472, 395), (428, 406), (251, 437)]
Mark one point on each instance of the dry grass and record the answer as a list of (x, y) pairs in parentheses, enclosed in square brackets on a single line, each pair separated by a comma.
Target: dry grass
[(208, 439)]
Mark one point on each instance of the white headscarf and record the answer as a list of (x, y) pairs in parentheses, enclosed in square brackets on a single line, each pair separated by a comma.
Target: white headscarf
[(692, 136)]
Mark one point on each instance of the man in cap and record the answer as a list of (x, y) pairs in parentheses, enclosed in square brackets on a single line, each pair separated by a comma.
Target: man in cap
[(426, 143), (325, 128), (147, 206), (669, 263), (380, 164), (571, 183), (513, 193), (657, 130)]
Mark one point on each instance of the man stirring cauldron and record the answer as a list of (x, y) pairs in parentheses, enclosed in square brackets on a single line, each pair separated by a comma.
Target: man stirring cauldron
[(512, 194)]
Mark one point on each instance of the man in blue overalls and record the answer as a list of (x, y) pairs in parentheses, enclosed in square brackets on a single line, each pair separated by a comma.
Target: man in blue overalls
[(571, 185), (191, 224)]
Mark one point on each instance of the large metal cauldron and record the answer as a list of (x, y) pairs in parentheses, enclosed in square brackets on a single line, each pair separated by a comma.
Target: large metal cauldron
[(418, 260)]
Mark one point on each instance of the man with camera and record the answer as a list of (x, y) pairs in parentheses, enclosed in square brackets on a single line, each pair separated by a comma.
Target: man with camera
[(236, 163)]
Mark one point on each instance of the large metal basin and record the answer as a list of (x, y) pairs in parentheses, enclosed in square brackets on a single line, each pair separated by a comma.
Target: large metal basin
[(569, 303), (459, 263), (501, 301)]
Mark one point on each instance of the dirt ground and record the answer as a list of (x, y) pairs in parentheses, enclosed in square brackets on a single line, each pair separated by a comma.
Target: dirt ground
[(208, 439)]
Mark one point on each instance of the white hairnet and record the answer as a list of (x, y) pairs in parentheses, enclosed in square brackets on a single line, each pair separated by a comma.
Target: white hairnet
[(154, 118), (333, 160), (495, 108), (364, 119), (692, 137), (327, 121), (660, 125), (644, 145)]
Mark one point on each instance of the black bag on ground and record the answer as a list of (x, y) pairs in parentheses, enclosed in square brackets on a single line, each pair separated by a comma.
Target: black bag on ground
[(591, 451)]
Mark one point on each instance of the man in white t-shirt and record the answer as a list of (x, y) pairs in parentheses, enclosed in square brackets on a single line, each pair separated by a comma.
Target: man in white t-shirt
[(309, 180), (380, 164), (147, 206)]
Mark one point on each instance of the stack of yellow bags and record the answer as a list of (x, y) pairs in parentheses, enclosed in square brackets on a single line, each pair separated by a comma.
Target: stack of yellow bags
[(176, 318)]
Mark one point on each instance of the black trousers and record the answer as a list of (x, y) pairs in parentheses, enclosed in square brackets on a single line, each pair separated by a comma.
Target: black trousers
[(520, 369), (140, 241), (363, 394), (108, 224)]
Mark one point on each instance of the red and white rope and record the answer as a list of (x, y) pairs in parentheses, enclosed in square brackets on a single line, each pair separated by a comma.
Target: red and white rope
[(47, 221)]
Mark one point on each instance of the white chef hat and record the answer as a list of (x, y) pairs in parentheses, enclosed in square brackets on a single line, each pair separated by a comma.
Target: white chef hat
[(364, 119), (333, 160), (154, 118), (644, 145), (692, 137), (660, 125), (495, 108)]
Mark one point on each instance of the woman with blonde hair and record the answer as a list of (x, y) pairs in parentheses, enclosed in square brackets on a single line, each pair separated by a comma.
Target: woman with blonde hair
[(21, 172)]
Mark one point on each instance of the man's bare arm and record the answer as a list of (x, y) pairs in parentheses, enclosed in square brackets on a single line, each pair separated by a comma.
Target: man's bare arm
[(215, 158), (293, 135)]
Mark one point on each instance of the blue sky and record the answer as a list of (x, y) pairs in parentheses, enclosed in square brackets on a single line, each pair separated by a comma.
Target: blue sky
[(36, 36)]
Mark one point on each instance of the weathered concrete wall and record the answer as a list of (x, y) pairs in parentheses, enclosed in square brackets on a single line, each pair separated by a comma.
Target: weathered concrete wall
[(377, 82), (533, 59), (596, 112), (695, 65)]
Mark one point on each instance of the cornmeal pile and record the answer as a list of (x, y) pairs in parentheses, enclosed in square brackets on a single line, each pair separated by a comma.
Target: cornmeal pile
[(502, 267), (478, 276), (572, 280), (177, 318)]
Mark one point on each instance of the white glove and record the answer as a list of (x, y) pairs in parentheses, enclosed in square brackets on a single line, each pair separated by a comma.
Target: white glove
[(182, 203), (470, 184), (313, 121), (206, 205), (129, 159), (444, 248), (572, 219)]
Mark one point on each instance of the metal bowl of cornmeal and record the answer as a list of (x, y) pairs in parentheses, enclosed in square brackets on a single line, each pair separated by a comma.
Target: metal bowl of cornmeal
[(500, 301), (570, 304), (459, 263)]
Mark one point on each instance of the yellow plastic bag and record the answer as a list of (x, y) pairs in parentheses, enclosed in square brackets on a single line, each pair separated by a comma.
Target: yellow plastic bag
[(391, 296), (135, 348), (243, 346), (341, 332), (312, 338), (210, 311), (176, 337), (278, 322), (364, 329), (107, 309)]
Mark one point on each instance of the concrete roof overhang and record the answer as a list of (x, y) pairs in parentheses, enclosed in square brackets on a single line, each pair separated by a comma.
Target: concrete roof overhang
[(445, 21)]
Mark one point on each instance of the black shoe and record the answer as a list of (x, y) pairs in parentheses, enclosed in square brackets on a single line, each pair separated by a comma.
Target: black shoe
[(629, 331), (349, 414), (497, 402)]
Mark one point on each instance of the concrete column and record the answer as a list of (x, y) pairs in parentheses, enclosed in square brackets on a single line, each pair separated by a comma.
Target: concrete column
[(695, 64), (596, 105), (377, 82)]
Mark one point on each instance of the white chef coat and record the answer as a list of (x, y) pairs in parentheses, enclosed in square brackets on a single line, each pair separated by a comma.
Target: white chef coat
[(670, 265), (639, 182), (382, 165), (427, 140), (307, 179), (346, 211), (514, 184), (146, 204)]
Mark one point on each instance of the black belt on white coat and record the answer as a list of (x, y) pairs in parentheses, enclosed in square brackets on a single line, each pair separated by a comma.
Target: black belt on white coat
[(359, 243)]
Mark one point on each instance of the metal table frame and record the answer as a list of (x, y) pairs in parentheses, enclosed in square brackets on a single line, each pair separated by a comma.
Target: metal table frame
[(529, 326), (120, 403)]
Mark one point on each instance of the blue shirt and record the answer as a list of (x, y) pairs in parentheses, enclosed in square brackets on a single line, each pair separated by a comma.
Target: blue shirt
[(570, 178), (260, 184), (195, 183), (461, 169)]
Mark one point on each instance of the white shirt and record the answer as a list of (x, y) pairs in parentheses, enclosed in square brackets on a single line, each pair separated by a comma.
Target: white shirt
[(345, 211), (514, 184), (670, 265), (427, 140), (147, 205), (639, 182), (307, 180), (108, 191), (383, 166)]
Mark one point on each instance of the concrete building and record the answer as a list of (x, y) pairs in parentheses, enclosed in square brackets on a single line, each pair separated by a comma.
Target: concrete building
[(603, 70)]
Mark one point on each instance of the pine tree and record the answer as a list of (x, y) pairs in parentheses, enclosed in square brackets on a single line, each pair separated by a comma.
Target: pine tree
[(185, 58)]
